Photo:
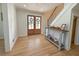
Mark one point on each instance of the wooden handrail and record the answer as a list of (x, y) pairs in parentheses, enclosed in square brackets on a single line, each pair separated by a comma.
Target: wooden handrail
[(51, 14), (54, 13)]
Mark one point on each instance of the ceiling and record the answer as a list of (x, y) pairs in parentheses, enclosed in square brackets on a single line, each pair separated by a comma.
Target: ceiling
[(76, 7), (75, 10), (38, 7)]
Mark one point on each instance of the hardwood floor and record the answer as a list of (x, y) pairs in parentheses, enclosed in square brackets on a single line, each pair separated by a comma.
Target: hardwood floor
[(37, 45), (1, 46)]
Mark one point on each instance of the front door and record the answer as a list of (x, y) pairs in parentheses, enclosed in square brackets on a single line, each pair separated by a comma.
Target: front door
[(34, 24)]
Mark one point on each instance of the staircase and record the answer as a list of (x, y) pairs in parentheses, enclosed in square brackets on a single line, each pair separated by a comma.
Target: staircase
[(63, 17), (55, 13), (63, 14)]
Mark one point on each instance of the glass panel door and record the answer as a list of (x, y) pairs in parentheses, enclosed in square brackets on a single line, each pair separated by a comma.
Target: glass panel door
[(31, 22), (37, 23), (34, 24)]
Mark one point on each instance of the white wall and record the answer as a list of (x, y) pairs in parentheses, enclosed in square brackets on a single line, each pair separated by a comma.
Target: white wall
[(77, 32), (44, 24), (9, 24), (22, 21), (65, 18), (12, 24), (1, 25), (6, 27)]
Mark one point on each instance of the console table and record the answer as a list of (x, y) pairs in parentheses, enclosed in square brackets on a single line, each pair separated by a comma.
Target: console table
[(56, 35)]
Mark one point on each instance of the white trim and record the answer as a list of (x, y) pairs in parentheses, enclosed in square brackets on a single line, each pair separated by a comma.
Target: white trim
[(70, 31)]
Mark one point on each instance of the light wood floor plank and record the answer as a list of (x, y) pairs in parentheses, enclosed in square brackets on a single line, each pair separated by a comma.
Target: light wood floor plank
[(36, 45)]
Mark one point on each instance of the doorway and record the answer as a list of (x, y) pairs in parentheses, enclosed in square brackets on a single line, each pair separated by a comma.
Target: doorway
[(73, 32), (33, 24)]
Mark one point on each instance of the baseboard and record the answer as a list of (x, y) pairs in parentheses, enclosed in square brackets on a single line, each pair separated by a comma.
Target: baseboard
[(1, 37), (13, 43), (22, 36), (76, 43)]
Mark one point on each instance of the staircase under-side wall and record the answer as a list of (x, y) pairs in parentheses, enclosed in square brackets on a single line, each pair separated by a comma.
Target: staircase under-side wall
[(55, 13), (66, 8)]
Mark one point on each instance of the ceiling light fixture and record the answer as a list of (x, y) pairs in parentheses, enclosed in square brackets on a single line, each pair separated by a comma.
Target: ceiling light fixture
[(24, 5)]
